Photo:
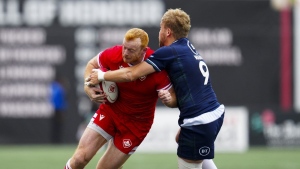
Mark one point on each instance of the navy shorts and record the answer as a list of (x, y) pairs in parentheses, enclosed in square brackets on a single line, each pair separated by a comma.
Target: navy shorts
[(197, 142)]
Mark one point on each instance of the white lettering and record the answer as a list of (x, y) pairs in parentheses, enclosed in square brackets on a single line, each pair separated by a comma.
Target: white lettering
[(13, 36), (37, 73), (77, 13), (287, 130), (2, 17), (42, 54), (206, 37), (222, 56), (27, 90), (85, 36), (13, 16), (74, 13), (215, 46), (23, 109), (39, 12)]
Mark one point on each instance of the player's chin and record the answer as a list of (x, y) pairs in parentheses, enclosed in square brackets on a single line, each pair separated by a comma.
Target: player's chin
[(126, 59)]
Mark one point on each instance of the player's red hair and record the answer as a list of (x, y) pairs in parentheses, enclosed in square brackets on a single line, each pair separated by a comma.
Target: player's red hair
[(134, 33)]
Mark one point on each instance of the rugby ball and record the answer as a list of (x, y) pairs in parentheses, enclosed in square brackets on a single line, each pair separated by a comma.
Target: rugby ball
[(111, 90)]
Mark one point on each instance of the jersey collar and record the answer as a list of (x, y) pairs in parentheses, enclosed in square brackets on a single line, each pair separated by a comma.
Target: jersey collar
[(140, 62)]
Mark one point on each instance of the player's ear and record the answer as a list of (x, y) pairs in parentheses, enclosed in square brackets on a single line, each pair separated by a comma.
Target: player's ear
[(144, 50), (169, 32)]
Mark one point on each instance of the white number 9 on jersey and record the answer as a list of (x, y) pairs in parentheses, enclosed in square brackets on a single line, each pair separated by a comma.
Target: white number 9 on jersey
[(204, 70)]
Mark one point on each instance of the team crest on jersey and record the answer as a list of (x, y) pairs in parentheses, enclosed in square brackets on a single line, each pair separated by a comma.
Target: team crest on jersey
[(127, 143), (142, 78)]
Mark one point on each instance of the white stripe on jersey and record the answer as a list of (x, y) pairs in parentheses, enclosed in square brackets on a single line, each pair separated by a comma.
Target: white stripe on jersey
[(98, 58), (153, 64), (205, 117), (166, 87)]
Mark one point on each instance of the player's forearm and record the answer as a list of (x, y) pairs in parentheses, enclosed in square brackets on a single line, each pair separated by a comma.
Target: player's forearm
[(130, 73), (121, 75)]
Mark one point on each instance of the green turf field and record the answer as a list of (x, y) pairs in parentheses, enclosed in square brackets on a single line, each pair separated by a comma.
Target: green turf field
[(55, 157)]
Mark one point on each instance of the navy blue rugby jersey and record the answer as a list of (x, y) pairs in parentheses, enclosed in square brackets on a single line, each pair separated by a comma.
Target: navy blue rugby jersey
[(189, 75)]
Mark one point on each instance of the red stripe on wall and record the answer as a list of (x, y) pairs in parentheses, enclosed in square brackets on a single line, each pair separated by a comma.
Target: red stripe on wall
[(285, 60)]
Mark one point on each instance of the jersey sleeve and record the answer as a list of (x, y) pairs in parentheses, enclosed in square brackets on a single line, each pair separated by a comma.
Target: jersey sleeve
[(109, 57), (160, 58), (103, 60)]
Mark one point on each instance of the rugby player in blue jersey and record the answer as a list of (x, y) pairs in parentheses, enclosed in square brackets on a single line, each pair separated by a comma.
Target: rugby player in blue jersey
[(201, 115)]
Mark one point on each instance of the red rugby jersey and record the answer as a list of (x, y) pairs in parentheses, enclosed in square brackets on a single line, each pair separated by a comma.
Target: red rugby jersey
[(138, 98)]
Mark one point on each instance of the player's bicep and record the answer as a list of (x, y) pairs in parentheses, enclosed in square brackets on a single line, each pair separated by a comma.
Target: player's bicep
[(94, 62)]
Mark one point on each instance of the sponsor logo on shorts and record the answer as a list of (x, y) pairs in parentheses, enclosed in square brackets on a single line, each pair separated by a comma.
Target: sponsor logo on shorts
[(127, 143), (204, 151)]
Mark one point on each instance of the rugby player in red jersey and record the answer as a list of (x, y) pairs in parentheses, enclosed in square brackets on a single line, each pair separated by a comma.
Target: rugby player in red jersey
[(127, 121), (201, 114)]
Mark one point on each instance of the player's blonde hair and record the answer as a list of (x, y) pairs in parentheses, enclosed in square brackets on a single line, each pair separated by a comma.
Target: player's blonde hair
[(178, 21), (134, 33)]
